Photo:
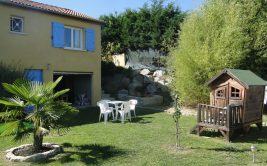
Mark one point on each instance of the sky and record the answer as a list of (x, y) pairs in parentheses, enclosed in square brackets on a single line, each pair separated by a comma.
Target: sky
[(96, 8)]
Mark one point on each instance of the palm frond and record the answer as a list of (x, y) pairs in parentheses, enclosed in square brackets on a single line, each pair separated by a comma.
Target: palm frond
[(51, 85), (9, 128), (13, 114), (18, 88), (59, 93), (12, 102), (24, 130)]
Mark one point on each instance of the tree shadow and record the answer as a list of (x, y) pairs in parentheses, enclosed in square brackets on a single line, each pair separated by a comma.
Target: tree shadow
[(229, 149), (138, 119), (89, 154)]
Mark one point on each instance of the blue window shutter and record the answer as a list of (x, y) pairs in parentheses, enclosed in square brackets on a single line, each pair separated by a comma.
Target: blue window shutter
[(90, 39), (34, 75), (57, 35)]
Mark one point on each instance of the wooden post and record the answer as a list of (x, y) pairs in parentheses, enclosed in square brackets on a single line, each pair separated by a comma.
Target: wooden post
[(228, 117), (199, 113), (228, 122)]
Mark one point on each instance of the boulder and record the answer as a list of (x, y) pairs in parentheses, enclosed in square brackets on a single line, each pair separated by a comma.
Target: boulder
[(148, 79), (138, 79), (151, 89), (123, 93), (135, 88), (144, 72), (125, 82), (158, 73)]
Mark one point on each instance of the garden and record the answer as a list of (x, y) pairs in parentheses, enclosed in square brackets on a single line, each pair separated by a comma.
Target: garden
[(148, 140)]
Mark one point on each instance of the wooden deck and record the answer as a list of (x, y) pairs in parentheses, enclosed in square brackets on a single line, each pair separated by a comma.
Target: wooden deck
[(226, 120)]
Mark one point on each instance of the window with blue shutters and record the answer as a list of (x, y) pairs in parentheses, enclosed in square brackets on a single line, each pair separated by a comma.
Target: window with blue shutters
[(73, 38), (90, 39), (58, 35)]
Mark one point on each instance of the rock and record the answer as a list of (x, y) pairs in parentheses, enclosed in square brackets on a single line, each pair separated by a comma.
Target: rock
[(122, 94), (125, 82), (134, 88), (162, 82), (55, 149), (139, 79), (156, 79), (158, 73), (134, 73), (148, 79), (151, 89), (144, 72)]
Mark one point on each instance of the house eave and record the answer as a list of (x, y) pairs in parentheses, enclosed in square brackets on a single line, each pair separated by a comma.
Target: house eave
[(6, 2)]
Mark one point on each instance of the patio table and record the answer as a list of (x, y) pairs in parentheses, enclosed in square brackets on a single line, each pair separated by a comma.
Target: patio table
[(116, 104)]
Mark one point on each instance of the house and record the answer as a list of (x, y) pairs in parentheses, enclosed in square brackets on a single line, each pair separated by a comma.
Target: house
[(236, 101), (48, 41)]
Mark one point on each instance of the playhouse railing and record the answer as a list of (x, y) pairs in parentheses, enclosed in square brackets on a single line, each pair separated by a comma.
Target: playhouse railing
[(228, 117)]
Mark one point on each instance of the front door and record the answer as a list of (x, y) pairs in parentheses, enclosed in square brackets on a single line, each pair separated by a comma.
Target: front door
[(221, 96)]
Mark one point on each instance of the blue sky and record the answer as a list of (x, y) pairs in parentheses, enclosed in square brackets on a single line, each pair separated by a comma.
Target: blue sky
[(96, 8)]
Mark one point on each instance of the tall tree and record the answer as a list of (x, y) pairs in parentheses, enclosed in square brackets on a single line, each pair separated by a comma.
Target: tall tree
[(222, 34), (155, 26)]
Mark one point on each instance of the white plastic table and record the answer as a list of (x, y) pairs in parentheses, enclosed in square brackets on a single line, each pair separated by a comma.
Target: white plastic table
[(116, 104)]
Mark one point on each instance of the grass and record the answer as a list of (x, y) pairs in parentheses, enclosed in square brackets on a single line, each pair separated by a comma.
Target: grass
[(147, 140)]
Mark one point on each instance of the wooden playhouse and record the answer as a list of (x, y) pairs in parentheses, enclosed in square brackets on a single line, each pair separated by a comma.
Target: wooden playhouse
[(236, 102)]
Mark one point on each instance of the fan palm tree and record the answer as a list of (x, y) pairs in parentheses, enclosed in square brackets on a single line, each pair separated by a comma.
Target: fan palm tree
[(33, 109)]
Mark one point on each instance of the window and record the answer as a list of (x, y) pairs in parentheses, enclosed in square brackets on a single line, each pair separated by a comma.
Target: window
[(235, 93), (220, 93), (16, 24), (73, 38)]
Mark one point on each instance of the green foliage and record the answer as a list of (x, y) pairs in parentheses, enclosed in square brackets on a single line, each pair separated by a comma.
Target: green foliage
[(154, 26), (222, 34), (33, 109), (8, 74)]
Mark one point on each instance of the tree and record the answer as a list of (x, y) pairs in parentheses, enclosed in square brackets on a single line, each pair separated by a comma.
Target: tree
[(222, 34), (150, 27), (33, 109)]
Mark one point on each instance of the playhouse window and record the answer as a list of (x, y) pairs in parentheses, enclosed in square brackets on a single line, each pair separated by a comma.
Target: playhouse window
[(235, 93), (220, 93), (16, 24)]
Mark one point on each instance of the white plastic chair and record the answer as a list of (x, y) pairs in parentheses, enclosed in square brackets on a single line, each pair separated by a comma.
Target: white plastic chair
[(132, 105), (105, 110), (125, 112)]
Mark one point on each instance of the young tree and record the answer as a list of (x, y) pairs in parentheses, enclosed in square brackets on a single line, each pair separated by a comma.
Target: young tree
[(222, 34), (33, 109)]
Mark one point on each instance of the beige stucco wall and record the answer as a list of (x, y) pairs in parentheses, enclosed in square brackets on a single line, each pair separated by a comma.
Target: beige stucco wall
[(34, 50)]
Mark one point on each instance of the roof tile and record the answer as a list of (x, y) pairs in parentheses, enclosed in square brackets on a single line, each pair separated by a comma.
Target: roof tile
[(50, 8)]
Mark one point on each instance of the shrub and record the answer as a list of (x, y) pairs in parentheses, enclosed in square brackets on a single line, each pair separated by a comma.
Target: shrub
[(8, 74)]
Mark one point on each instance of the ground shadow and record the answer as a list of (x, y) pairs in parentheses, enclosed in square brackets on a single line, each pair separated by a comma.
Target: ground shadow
[(138, 119), (253, 136), (91, 115), (89, 154)]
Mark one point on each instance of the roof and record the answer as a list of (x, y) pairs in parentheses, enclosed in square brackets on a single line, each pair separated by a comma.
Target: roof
[(49, 8), (245, 77)]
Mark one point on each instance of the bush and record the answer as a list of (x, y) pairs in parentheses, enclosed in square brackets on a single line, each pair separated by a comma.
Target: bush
[(8, 74)]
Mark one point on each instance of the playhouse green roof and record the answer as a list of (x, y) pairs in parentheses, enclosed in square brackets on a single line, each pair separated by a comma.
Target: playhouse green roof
[(245, 77)]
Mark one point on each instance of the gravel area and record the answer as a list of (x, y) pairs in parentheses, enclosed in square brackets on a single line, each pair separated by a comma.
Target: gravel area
[(185, 111)]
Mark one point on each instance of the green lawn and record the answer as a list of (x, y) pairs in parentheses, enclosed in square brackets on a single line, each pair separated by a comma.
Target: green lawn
[(148, 140)]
